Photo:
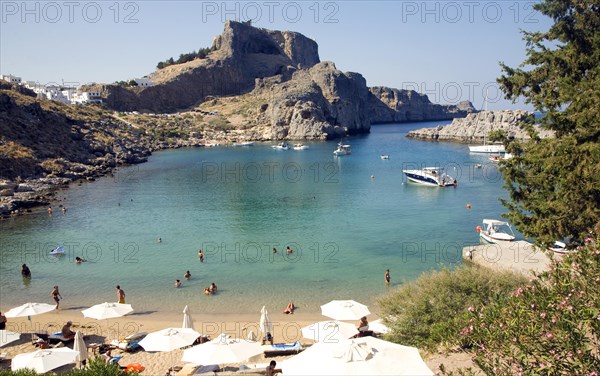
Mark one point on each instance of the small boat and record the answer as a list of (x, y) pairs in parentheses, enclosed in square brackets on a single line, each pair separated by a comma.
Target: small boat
[(300, 147), (431, 176), (559, 247), (486, 148), (245, 143), (496, 158), (495, 231), (282, 146), (384, 156), (342, 149), (58, 250)]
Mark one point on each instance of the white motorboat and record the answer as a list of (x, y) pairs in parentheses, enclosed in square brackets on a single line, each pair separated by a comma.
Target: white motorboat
[(300, 147), (487, 148), (384, 156), (245, 143), (342, 149), (282, 146), (559, 247), (495, 231), (431, 176)]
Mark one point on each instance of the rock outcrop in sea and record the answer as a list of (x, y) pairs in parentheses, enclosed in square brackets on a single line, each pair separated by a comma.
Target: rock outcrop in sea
[(477, 126)]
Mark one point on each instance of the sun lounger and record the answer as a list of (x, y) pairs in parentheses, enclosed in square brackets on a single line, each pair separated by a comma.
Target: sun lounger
[(282, 349), (206, 369), (129, 343), (54, 337)]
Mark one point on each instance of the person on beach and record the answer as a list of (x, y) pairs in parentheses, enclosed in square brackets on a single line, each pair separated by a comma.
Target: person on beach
[(201, 255), (2, 321), (66, 330), (25, 272), (55, 294), (187, 275), (120, 295), (289, 310), (212, 288), (207, 290), (271, 370), (177, 283), (64, 210), (49, 210), (363, 325), (387, 277)]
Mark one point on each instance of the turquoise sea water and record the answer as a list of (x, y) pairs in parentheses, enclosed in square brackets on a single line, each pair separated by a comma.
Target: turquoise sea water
[(348, 219)]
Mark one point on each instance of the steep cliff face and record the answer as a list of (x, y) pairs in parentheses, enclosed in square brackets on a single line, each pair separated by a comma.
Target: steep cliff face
[(477, 126), (317, 103), (243, 53), (387, 105)]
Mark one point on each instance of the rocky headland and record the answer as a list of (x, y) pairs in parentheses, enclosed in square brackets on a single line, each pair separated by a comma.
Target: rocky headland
[(256, 84), (476, 127), (284, 89)]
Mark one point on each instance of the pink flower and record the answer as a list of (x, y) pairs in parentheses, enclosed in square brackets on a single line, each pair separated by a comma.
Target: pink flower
[(543, 315), (549, 335), (570, 308), (594, 373), (471, 309)]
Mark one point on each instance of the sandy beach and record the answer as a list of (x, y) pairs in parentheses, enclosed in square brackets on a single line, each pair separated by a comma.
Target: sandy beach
[(286, 328)]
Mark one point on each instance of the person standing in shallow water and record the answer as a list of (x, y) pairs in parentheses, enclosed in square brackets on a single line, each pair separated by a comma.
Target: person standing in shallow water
[(25, 272), (387, 277), (55, 294), (120, 295)]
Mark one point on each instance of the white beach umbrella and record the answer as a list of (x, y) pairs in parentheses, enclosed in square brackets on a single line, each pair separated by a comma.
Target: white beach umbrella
[(378, 326), (169, 339), (44, 360), (187, 319), (344, 310), (6, 337), (329, 331), (30, 309), (265, 322), (80, 346), (222, 350), (107, 311), (362, 356)]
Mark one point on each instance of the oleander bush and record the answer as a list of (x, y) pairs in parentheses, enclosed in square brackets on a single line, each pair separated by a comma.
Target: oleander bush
[(550, 326), (431, 310)]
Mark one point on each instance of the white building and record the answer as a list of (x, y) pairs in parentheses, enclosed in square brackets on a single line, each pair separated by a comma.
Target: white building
[(144, 82), (82, 97), (11, 78)]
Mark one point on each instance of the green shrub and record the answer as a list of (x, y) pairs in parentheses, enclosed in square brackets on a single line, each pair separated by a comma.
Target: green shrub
[(95, 367), (549, 327), (431, 310)]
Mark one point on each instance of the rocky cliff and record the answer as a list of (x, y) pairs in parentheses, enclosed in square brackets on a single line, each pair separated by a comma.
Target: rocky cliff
[(317, 103), (387, 105), (295, 96), (477, 126), (242, 54)]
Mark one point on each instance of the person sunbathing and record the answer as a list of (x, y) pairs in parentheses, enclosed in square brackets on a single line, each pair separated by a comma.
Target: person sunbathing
[(67, 332), (289, 310)]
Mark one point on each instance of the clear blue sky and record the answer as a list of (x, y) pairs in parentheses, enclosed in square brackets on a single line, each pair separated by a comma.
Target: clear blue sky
[(448, 50)]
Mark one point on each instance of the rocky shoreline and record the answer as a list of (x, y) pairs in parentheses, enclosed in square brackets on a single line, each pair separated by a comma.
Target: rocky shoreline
[(476, 127)]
